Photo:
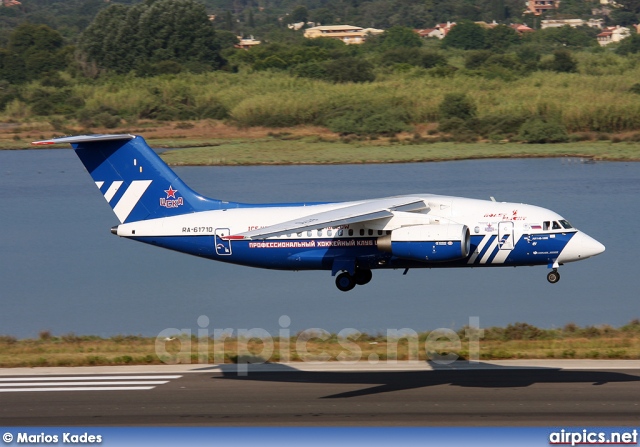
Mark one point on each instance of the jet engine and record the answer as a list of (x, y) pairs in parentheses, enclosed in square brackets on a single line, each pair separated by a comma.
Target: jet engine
[(428, 243)]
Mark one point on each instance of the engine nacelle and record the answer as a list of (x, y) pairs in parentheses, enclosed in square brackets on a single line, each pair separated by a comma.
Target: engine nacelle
[(428, 243)]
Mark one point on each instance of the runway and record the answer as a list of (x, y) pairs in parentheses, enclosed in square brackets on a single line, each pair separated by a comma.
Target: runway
[(515, 393)]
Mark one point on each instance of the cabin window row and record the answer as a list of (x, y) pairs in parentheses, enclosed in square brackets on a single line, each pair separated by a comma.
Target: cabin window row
[(341, 233)]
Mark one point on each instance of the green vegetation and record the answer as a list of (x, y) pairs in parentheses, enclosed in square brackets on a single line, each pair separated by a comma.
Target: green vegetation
[(170, 61), (312, 150), (515, 341)]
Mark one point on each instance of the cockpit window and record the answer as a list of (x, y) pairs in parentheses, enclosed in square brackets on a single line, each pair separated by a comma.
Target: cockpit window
[(556, 225), (566, 224), (545, 225)]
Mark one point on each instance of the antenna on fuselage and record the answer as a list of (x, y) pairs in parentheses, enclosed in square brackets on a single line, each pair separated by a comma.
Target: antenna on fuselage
[(493, 199)]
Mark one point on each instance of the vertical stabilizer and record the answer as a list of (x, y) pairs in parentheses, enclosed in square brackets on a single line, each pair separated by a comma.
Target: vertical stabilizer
[(134, 181)]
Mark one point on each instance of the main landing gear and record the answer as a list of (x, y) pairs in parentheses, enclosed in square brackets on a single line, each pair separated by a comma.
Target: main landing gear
[(346, 282), (553, 276)]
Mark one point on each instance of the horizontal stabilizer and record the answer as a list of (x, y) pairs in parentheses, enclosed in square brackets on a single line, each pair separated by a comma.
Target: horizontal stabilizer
[(84, 139)]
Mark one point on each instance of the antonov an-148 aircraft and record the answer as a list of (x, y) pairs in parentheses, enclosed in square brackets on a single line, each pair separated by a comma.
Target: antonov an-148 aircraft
[(349, 239)]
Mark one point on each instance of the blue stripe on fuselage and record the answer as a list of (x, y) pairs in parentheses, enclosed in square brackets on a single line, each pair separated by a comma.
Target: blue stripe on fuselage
[(307, 254)]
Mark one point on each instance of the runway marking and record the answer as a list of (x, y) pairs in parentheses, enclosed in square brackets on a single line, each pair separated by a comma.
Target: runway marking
[(83, 383), (39, 378), (79, 388), (125, 382)]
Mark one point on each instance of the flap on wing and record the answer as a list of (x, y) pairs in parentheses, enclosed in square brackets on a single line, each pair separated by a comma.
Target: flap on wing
[(84, 139), (361, 212)]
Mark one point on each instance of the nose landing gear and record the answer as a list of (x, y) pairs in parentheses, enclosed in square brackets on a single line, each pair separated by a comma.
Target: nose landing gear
[(553, 276)]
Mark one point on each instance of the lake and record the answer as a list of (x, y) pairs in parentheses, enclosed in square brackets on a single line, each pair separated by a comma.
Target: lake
[(62, 270)]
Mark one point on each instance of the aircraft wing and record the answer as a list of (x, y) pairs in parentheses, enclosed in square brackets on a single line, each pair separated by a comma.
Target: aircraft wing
[(361, 212)]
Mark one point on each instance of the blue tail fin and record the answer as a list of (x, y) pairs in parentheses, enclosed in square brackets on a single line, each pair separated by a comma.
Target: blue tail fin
[(136, 183)]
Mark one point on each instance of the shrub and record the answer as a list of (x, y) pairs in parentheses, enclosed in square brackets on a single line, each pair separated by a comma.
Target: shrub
[(366, 122), (562, 62), (451, 125), (476, 59), (102, 117), (349, 69), (496, 125), (457, 105), (313, 70), (521, 331), (8, 340), (537, 130)]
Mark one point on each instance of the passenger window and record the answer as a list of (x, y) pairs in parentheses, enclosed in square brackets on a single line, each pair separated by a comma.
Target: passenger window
[(556, 226), (350, 232), (370, 232), (299, 234), (379, 232), (320, 232), (361, 231), (545, 225), (388, 232), (340, 233), (309, 233)]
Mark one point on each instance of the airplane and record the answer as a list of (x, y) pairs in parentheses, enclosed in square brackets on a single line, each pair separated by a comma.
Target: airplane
[(350, 239)]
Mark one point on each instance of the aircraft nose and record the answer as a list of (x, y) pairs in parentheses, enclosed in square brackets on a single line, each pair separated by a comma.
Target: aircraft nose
[(581, 246)]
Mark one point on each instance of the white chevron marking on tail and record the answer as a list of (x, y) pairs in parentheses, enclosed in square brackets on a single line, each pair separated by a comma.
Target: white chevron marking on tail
[(113, 189), (130, 198), (99, 184)]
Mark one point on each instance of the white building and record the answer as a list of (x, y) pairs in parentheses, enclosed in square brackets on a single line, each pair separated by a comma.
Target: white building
[(613, 34)]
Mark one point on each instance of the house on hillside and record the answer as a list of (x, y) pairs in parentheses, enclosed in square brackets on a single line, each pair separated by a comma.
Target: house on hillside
[(521, 28), (10, 3), (245, 44), (539, 7), (348, 34), (559, 23), (613, 34), (440, 30)]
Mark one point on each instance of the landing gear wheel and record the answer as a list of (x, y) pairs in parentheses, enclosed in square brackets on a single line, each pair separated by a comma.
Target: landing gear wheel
[(362, 277), (553, 276), (345, 282)]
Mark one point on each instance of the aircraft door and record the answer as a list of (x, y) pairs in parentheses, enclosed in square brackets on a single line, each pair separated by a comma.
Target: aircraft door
[(223, 246), (505, 235)]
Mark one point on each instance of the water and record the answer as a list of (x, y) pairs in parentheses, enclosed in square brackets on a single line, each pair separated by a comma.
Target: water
[(61, 269)]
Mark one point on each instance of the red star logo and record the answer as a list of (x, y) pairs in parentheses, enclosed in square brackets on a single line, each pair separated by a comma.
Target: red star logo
[(171, 192)]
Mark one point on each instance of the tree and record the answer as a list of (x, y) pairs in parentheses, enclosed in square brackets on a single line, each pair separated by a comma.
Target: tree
[(122, 38), (623, 18), (565, 37), (501, 37), (629, 45), (399, 37), (562, 62), (32, 51), (630, 5), (498, 10), (299, 14), (322, 16), (228, 21), (466, 35)]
